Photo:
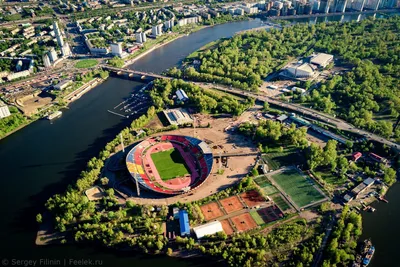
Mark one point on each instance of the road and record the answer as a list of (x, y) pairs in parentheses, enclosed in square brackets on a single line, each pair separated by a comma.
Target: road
[(340, 124), (328, 231)]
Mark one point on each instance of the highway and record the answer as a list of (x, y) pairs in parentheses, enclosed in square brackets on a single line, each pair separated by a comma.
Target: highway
[(340, 124), (295, 108)]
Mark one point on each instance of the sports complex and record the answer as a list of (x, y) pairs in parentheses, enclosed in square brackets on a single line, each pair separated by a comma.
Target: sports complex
[(170, 164)]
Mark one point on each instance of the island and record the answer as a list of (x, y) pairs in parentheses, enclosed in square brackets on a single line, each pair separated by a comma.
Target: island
[(263, 149)]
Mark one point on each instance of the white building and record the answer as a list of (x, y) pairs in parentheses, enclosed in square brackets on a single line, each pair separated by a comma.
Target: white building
[(208, 229), (181, 95), (4, 111), (169, 24), (66, 50), (141, 37), (53, 54), (58, 34), (156, 30), (46, 61), (300, 71), (322, 60), (116, 49), (251, 10), (17, 75), (62, 85)]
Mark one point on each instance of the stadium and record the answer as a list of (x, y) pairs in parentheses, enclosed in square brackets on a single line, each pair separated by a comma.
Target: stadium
[(170, 164)]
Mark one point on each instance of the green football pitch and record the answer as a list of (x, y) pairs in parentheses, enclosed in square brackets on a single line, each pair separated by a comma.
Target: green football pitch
[(170, 164), (300, 189)]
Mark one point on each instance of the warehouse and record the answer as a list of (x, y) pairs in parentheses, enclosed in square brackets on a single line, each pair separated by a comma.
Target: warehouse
[(184, 223), (304, 70), (322, 60), (178, 116), (208, 229)]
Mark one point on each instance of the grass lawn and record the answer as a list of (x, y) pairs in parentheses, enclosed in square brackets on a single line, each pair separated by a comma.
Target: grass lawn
[(86, 63), (329, 177), (282, 204), (257, 218), (278, 159), (300, 190), (170, 164)]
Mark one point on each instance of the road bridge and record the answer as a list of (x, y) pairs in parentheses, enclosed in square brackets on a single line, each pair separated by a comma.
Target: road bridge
[(136, 72)]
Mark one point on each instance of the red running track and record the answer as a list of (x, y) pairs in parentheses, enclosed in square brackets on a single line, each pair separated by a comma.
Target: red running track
[(177, 183)]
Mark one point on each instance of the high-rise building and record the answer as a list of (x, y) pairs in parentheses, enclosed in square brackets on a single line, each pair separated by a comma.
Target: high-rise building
[(116, 49), (156, 30), (58, 34), (53, 54), (46, 61), (66, 50), (140, 37), (358, 5), (4, 111)]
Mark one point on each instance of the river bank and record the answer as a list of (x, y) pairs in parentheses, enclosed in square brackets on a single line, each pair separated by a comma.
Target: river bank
[(54, 155)]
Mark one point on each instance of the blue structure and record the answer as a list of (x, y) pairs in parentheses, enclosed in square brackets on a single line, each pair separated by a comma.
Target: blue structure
[(184, 223)]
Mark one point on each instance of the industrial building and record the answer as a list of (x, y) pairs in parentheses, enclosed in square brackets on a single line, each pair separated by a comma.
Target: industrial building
[(300, 70), (184, 223), (321, 60), (362, 187), (4, 111), (178, 116), (208, 229), (62, 85)]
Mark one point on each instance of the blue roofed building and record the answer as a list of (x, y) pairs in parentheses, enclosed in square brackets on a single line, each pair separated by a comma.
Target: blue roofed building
[(184, 223)]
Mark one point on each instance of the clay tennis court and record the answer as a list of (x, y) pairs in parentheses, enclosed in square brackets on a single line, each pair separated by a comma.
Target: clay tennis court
[(244, 222), (226, 225), (211, 211), (231, 204), (252, 198)]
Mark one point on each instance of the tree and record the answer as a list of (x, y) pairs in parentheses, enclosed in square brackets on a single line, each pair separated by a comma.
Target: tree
[(169, 251), (104, 181), (39, 218), (266, 106)]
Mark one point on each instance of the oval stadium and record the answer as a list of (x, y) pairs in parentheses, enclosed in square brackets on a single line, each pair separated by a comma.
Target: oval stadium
[(170, 164)]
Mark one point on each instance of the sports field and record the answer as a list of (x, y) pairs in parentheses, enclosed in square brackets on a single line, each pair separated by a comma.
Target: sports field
[(282, 204), (278, 159), (257, 218), (300, 189), (170, 164)]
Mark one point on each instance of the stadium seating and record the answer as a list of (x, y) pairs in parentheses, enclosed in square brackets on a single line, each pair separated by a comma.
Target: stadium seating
[(139, 173)]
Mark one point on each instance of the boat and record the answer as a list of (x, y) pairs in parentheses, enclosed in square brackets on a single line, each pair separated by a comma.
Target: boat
[(368, 252), (54, 115)]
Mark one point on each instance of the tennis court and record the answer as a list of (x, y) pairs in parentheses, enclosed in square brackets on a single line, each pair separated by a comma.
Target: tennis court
[(226, 225), (270, 214), (211, 211), (257, 218), (231, 204), (244, 222), (300, 189), (252, 198)]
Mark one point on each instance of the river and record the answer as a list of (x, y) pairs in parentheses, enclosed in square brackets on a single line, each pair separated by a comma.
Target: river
[(43, 158)]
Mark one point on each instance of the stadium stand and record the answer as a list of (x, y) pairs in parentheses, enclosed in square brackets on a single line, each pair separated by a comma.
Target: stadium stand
[(199, 149)]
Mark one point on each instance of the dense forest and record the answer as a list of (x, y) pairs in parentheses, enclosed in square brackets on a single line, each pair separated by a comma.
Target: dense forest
[(205, 101)]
